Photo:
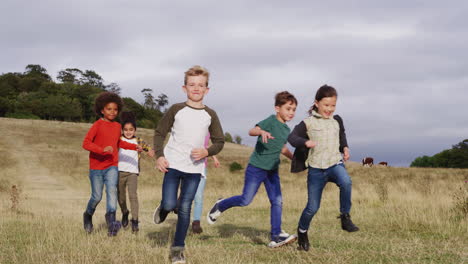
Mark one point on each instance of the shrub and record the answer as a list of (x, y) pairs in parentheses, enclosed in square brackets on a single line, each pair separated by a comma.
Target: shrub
[(235, 167), (22, 116), (228, 137)]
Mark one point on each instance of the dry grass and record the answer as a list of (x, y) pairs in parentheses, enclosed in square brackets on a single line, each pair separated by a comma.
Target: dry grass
[(406, 215)]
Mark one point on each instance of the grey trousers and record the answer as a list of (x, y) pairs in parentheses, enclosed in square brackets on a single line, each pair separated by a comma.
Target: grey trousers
[(130, 180)]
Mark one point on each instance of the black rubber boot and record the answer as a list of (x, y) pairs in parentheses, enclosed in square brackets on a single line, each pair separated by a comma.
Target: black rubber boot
[(347, 224), (113, 226), (135, 226), (88, 222), (125, 219), (303, 240), (107, 219)]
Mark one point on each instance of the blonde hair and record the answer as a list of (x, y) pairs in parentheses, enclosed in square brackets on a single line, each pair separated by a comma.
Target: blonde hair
[(196, 71)]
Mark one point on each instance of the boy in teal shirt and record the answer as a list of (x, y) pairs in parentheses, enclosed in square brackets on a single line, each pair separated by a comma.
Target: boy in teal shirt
[(263, 168)]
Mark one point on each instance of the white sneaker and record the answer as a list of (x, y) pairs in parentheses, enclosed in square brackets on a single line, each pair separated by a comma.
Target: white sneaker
[(159, 215), (177, 257), (214, 213), (282, 240), (283, 234)]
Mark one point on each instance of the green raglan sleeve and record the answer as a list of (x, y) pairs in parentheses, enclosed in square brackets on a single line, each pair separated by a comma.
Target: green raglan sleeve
[(216, 134), (164, 127)]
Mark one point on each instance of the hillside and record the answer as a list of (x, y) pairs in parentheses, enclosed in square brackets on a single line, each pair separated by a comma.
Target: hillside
[(406, 215)]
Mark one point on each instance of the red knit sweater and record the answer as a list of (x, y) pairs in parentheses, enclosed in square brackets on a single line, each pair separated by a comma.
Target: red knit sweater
[(100, 135)]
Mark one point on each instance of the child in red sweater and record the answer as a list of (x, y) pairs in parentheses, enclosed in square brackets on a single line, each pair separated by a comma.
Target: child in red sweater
[(103, 143)]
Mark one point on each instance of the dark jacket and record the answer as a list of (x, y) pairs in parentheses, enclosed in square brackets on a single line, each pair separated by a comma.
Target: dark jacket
[(298, 138)]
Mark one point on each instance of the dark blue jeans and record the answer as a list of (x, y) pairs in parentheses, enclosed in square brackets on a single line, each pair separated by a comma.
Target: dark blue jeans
[(189, 184), (98, 178), (316, 181), (253, 178)]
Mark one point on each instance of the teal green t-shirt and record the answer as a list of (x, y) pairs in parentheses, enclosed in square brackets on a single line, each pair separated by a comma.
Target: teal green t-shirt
[(267, 155)]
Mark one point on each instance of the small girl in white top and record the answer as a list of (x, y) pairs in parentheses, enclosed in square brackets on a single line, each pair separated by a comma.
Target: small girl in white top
[(129, 169)]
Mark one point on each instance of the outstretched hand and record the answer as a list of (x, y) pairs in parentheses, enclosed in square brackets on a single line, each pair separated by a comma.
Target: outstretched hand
[(162, 164), (216, 163), (265, 136)]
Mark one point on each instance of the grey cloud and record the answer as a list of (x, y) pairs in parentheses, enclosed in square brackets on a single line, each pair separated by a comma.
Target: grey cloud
[(399, 66)]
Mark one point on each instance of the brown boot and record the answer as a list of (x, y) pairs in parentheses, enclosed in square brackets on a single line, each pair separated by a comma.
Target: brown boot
[(196, 227)]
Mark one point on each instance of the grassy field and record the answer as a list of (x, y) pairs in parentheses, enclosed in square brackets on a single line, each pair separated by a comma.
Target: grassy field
[(406, 215)]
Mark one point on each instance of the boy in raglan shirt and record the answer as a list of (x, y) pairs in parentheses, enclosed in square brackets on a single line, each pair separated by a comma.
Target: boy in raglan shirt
[(182, 159)]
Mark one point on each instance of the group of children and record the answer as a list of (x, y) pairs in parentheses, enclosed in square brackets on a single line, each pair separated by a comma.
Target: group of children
[(320, 142)]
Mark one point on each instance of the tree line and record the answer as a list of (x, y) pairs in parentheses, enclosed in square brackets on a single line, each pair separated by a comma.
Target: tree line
[(33, 94), (456, 157)]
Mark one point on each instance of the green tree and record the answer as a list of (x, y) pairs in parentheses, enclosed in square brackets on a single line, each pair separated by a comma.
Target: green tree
[(238, 139), (59, 107), (113, 88), (161, 101), (9, 85), (29, 84), (85, 95), (6, 106), (149, 98), (228, 137), (32, 103), (424, 162), (134, 107), (50, 88), (70, 75), (456, 157), (92, 78), (152, 117), (33, 94), (37, 70), (459, 158)]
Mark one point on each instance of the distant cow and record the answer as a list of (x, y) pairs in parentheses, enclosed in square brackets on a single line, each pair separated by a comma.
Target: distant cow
[(367, 162), (383, 163)]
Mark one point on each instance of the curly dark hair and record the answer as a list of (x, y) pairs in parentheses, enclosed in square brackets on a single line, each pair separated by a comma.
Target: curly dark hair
[(104, 98), (128, 117)]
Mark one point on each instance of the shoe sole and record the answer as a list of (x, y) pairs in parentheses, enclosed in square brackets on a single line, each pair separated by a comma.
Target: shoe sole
[(197, 231), (290, 240)]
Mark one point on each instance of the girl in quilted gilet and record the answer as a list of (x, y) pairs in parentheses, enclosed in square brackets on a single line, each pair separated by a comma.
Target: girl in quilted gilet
[(321, 147)]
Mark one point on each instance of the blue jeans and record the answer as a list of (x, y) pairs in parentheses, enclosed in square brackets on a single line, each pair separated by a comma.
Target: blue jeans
[(189, 184), (253, 178), (198, 201), (98, 178), (316, 181)]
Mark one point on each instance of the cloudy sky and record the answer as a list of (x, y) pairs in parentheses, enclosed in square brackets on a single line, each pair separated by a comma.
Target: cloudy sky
[(400, 67)]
